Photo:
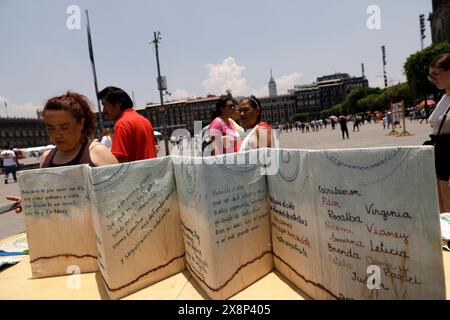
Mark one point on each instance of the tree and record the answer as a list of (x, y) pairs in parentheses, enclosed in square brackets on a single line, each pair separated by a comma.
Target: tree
[(396, 94), (303, 117), (350, 105), (333, 111), (416, 69), (370, 103)]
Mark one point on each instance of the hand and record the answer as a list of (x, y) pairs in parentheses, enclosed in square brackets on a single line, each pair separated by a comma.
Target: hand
[(18, 201)]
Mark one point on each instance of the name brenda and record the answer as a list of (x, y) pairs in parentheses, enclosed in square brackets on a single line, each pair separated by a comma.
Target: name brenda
[(348, 253)]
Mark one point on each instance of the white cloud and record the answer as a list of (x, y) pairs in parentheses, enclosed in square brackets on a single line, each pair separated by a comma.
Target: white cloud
[(378, 83), (180, 94), (224, 76), (26, 109), (287, 82), (229, 75)]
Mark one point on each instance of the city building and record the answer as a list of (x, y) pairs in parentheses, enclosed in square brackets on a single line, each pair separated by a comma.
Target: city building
[(182, 114), (22, 133), (272, 86), (279, 109), (440, 21), (326, 92)]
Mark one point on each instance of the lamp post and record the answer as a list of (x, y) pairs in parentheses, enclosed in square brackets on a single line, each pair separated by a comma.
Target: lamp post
[(162, 86), (5, 104), (422, 29)]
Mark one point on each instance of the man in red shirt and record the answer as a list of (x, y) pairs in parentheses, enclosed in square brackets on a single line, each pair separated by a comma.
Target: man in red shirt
[(133, 137)]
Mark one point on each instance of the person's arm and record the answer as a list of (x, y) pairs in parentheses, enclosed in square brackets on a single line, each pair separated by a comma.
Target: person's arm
[(216, 134), (18, 201), (101, 155), (264, 137)]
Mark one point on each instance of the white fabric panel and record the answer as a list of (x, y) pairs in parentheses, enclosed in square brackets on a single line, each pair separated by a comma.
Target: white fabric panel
[(225, 222), (364, 207), (137, 221), (57, 213)]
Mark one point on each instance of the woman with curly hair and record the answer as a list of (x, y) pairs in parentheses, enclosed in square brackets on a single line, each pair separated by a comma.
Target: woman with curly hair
[(70, 124)]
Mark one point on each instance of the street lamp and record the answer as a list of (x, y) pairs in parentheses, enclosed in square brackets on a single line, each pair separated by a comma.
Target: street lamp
[(162, 86)]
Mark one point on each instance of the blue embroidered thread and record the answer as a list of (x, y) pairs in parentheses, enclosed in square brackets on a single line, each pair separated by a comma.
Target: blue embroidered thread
[(339, 163)]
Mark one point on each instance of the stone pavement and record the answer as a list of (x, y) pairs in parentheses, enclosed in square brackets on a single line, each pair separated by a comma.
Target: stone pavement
[(369, 136)]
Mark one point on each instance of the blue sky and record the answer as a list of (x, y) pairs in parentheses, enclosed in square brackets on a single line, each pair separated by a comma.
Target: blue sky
[(207, 46)]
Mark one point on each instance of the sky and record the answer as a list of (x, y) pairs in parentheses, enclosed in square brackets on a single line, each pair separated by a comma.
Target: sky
[(207, 46)]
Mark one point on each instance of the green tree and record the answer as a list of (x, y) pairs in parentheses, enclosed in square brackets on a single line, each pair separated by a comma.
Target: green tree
[(350, 105), (398, 93), (303, 117), (370, 103), (333, 111), (325, 113), (416, 69)]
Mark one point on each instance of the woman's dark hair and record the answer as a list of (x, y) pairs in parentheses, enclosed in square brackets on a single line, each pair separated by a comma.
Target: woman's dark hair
[(78, 106), (221, 103), (442, 62), (254, 103), (114, 95)]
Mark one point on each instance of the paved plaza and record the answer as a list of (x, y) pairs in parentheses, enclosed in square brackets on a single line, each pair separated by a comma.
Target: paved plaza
[(369, 136)]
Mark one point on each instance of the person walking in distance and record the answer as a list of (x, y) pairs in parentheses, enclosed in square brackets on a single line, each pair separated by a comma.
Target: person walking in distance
[(344, 129)]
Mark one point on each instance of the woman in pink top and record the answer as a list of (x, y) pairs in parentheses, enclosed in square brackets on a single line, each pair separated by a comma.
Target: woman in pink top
[(222, 131)]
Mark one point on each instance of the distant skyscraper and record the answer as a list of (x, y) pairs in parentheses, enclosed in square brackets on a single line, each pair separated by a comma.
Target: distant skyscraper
[(272, 86)]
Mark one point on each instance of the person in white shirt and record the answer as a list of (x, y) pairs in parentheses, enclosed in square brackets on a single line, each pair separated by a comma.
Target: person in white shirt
[(10, 164), (440, 122), (106, 139)]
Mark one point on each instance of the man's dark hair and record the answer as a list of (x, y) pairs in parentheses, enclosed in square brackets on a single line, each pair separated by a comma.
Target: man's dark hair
[(114, 95), (221, 103)]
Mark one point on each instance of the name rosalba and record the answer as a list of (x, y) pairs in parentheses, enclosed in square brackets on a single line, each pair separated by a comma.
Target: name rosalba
[(348, 217)]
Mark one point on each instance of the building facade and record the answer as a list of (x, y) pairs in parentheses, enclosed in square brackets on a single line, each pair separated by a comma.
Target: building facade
[(182, 114), (22, 133), (279, 109), (440, 21), (326, 92)]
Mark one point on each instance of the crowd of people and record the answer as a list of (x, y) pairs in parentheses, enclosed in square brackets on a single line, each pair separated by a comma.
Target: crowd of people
[(235, 127)]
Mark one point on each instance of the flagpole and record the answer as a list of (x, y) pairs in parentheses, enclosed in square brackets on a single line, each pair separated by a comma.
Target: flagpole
[(91, 55)]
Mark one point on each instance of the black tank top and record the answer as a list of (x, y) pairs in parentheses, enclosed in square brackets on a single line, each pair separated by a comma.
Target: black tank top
[(82, 157)]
